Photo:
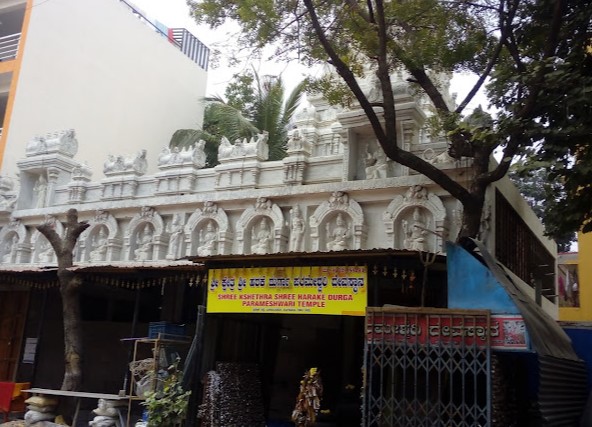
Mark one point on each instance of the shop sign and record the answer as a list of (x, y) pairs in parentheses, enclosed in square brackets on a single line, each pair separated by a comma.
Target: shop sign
[(334, 290), (506, 332)]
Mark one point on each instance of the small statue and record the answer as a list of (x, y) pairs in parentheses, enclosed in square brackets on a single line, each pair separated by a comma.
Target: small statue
[(176, 231), (144, 249), (376, 164), (339, 236), (40, 190), (415, 234), (10, 248), (297, 233), (208, 240), (262, 239), (99, 246), (45, 251)]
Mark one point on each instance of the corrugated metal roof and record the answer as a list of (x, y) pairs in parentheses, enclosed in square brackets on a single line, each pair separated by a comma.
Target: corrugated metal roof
[(546, 336)]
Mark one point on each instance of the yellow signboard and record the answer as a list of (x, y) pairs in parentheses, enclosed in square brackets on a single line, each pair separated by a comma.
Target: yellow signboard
[(288, 290)]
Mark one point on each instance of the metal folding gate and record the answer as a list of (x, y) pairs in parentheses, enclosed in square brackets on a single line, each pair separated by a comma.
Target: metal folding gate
[(427, 367)]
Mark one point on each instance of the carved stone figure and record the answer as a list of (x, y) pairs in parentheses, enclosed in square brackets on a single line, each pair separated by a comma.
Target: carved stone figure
[(244, 148), (294, 141), (416, 192), (44, 251), (415, 233), (99, 246), (224, 149), (261, 240), (40, 190), (297, 230), (376, 164), (137, 164), (338, 199), (176, 232), (263, 204), (143, 251), (208, 240), (10, 248), (338, 237)]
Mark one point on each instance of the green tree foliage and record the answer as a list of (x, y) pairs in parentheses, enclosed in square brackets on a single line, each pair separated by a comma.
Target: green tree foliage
[(528, 49), (253, 104)]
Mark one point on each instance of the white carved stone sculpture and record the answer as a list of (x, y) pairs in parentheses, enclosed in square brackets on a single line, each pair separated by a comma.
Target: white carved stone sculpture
[(44, 251), (415, 193), (40, 190), (63, 142), (176, 232), (120, 164), (261, 240), (143, 250), (415, 233), (99, 246), (338, 236), (253, 148), (297, 231), (376, 164), (10, 247), (194, 155), (208, 240)]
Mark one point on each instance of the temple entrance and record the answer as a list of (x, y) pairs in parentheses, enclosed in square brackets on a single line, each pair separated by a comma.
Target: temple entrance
[(427, 367), (281, 348)]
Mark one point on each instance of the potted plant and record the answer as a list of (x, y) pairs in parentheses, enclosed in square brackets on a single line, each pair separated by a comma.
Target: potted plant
[(167, 405)]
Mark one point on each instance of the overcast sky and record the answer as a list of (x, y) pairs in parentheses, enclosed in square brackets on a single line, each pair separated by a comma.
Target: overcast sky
[(175, 13)]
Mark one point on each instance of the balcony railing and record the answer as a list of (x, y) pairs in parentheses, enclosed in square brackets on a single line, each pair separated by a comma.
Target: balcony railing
[(9, 46), (191, 46), (180, 38)]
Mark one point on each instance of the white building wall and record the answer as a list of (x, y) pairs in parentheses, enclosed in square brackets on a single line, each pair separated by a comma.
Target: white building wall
[(94, 66)]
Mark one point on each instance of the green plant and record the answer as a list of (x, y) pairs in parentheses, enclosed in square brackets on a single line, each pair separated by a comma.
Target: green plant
[(167, 405)]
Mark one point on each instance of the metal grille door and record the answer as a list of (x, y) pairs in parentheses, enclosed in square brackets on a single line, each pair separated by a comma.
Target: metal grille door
[(427, 367)]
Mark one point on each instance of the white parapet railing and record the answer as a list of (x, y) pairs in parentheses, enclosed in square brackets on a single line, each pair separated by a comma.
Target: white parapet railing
[(9, 46)]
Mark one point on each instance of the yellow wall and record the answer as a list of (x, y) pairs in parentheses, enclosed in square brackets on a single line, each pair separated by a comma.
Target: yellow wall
[(584, 311)]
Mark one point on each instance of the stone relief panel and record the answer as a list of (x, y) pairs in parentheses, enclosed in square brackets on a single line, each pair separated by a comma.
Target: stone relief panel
[(416, 221), (10, 248), (146, 239), (101, 241), (207, 232), (8, 197), (338, 224), (260, 229), (13, 242)]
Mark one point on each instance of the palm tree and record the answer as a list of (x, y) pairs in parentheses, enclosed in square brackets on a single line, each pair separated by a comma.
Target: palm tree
[(253, 104)]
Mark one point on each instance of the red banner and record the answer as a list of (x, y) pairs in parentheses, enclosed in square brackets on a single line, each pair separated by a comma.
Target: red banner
[(506, 332)]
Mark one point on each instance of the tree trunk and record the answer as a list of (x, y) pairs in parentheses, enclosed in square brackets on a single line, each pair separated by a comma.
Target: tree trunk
[(70, 293), (471, 220)]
